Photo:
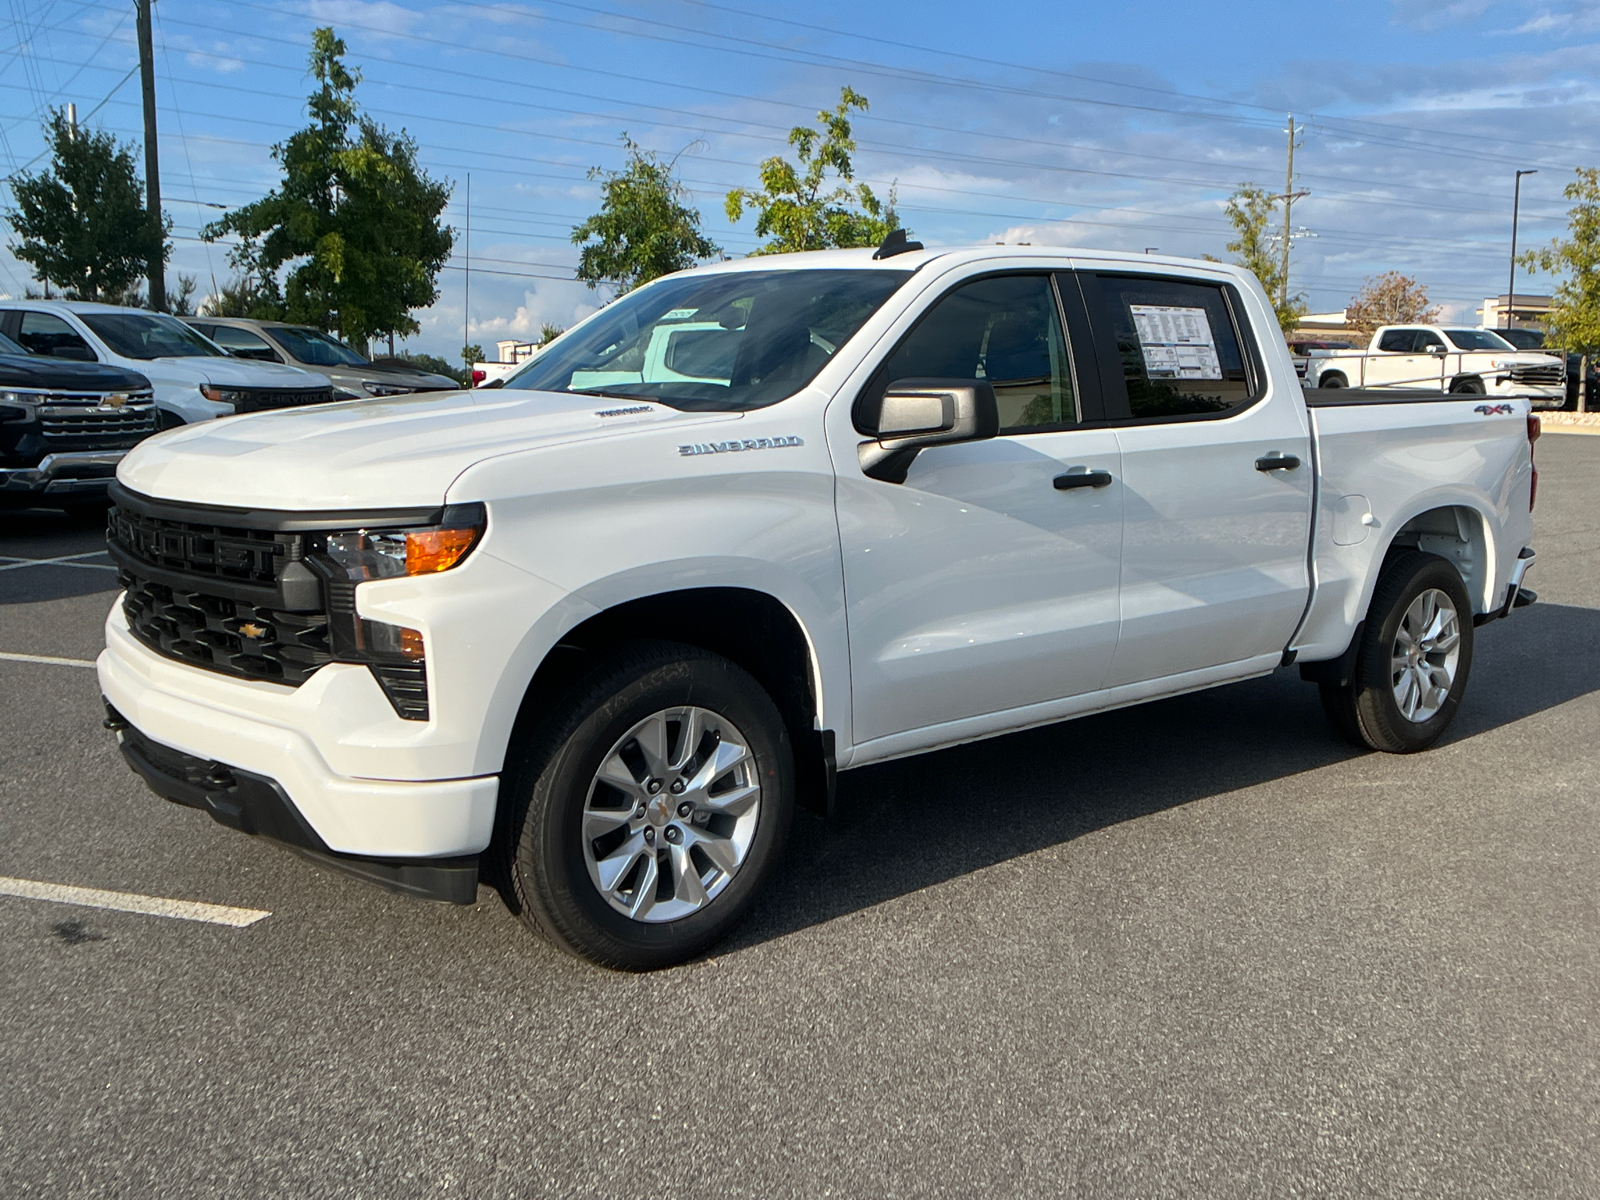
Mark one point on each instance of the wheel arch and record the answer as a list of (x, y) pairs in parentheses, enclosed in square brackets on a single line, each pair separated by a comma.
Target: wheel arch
[(1459, 532), (748, 626)]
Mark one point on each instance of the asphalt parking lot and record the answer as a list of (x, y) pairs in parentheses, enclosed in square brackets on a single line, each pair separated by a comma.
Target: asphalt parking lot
[(1198, 948)]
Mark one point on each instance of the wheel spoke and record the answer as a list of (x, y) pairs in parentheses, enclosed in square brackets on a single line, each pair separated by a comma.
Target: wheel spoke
[(598, 821), (652, 739), (614, 867), (615, 772), (1410, 696), (644, 892), (686, 885), (727, 755), (735, 801), (718, 849), (690, 727)]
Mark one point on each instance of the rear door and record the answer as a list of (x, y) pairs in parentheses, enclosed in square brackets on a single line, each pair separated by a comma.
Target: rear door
[(1397, 364), (1214, 548)]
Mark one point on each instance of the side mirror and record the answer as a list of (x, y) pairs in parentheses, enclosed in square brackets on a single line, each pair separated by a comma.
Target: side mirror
[(915, 413), (1437, 349)]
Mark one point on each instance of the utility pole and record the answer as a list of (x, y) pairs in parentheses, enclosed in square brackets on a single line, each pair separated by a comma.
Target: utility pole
[(156, 271), (72, 121), (466, 304), (1289, 197), (1516, 203)]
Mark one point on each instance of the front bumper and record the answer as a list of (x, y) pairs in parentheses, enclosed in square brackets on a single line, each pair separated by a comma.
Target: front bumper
[(72, 473), (258, 805), (253, 729)]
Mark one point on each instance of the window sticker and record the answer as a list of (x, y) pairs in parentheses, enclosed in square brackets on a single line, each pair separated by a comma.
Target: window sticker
[(1177, 342)]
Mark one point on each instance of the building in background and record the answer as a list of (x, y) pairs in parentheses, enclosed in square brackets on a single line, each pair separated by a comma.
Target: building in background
[(1530, 311)]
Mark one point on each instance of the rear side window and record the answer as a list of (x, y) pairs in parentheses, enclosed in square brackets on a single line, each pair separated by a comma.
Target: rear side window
[(46, 333), (240, 341), (1005, 329), (1177, 345), (1398, 341)]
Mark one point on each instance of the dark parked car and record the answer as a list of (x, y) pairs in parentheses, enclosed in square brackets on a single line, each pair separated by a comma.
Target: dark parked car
[(64, 426), (1533, 339), (353, 377)]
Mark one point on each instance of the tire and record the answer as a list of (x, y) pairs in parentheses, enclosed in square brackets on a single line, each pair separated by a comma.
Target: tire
[(598, 853), (1372, 710), (1470, 386), (1332, 379), (166, 419)]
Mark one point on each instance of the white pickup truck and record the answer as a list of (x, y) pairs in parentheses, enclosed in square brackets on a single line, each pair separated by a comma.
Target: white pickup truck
[(599, 630), (1467, 362)]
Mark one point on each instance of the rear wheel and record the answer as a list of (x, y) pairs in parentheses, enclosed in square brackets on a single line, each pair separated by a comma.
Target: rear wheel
[(645, 816), (1469, 386), (1412, 665), (1332, 379)]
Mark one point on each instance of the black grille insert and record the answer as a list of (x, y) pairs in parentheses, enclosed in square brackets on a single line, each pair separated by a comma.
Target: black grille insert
[(246, 400), (232, 636), (204, 551)]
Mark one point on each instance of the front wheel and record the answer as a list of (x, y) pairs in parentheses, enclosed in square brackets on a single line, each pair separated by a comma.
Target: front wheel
[(1411, 667), (646, 815), (1471, 385), (1332, 379)]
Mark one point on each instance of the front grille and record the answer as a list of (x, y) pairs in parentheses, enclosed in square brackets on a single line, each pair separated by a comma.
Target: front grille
[(1551, 376), (80, 421), (235, 637), (247, 400), (205, 551)]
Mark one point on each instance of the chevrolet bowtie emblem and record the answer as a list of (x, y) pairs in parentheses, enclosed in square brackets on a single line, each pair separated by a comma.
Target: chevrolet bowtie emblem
[(252, 631), (114, 400)]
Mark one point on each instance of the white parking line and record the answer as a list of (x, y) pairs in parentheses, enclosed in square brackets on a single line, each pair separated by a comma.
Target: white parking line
[(153, 906), (65, 560), (48, 659)]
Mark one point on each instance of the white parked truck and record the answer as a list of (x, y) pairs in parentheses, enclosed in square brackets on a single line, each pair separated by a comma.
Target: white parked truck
[(599, 630), (1469, 362)]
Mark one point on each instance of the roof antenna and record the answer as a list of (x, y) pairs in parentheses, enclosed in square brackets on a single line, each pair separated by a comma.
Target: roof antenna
[(894, 244)]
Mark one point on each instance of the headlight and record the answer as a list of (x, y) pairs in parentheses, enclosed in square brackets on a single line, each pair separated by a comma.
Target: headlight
[(344, 393), (385, 389), (222, 395), (385, 553), (22, 395)]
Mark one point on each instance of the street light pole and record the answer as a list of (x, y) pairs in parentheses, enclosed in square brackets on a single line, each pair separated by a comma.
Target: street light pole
[(1511, 287)]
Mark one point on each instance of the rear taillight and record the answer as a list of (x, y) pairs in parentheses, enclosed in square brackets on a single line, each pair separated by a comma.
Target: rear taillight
[(478, 376), (1534, 429)]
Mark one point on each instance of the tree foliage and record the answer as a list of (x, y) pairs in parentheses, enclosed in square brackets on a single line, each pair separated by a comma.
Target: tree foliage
[(354, 212), (643, 229), (1251, 210), (82, 223), (1574, 320), (1389, 299), (799, 207)]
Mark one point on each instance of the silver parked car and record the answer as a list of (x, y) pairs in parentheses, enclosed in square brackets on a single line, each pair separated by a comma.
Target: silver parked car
[(353, 377)]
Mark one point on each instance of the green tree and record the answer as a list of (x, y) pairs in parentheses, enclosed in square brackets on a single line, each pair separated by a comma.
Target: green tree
[(1574, 321), (354, 212), (549, 333), (472, 354), (796, 206), (643, 229), (1251, 210), (81, 224)]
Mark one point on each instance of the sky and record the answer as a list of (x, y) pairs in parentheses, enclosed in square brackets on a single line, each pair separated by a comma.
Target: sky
[(1115, 126)]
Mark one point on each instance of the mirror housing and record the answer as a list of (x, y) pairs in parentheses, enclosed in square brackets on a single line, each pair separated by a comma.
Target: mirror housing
[(1438, 350), (916, 413)]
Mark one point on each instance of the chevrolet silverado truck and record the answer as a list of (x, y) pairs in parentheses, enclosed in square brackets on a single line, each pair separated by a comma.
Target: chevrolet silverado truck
[(597, 632), (1468, 362), (64, 426)]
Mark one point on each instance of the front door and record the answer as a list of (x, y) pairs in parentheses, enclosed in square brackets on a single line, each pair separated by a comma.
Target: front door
[(1214, 568), (981, 584)]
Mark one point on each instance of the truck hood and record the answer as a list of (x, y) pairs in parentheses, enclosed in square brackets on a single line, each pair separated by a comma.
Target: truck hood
[(393, 453), (60, 374), (237, 373)]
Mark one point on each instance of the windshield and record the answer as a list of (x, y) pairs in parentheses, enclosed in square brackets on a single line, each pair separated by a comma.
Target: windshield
[(1477, 339), (1523, 339), (150, 335), (718, 342), (315, 347)]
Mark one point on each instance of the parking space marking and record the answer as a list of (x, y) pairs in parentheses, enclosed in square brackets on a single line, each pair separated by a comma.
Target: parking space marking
[(152, 906), (66, 560), (48, 659)]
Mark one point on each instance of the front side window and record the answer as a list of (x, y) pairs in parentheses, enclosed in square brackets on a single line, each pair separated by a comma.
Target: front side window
[(47, 334), (722, 341), (1427, 338), (1477, 339), (241, 342), (1398, 341), (1177, 345), (149, 335), (1005, 329), (316, 348)]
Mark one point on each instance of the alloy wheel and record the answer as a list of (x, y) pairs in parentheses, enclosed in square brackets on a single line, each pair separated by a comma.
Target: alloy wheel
[(1427, 649)]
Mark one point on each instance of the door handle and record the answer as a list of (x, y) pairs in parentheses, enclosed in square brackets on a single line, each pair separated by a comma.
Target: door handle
[(1277, 462), (1082, 479)]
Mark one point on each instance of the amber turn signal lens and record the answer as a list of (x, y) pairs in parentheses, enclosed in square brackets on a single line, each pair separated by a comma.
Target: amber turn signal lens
[(411, 643), (433, 550)]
